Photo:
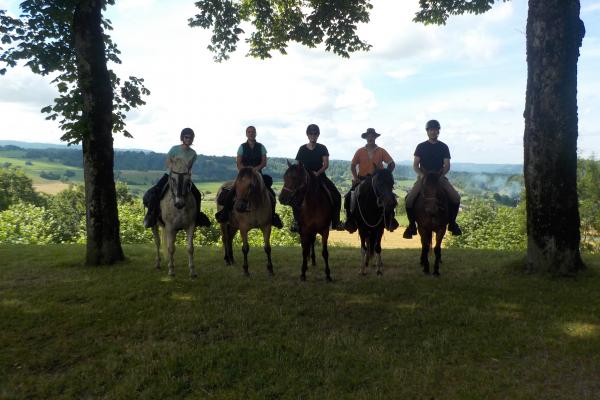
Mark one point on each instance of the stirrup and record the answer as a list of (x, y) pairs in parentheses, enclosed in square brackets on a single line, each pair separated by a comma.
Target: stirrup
[(222, 216), (454, 229), (202, 220), (393, 225)]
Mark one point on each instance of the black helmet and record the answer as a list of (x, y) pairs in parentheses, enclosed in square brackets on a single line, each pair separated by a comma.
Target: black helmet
[(186, 132), (432, 124), (313, 128)]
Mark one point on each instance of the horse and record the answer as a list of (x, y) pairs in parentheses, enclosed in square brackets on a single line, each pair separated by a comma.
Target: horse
[(374, 206), (431, 216), (303, 191), (252, 209), (178, 211)]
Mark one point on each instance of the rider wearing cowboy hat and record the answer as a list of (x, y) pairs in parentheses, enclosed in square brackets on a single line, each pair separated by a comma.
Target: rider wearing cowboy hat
[(432, 155), (364, 162), (152, 196)]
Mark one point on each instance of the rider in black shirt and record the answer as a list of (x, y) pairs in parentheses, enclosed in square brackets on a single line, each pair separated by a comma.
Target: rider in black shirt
[(432, 155), (315, 158)]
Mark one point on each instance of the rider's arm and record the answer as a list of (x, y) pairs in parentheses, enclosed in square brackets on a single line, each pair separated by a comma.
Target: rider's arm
[(263, 163), (388, 160), (353, 166), (391, 166), (324, 167), (446, 166), (239, 163), (416, 167)]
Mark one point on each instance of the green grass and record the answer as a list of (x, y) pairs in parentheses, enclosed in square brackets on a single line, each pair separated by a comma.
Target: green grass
[(483, 330)]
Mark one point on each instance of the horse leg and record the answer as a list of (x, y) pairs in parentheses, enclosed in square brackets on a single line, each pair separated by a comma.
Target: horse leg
[(306, 246), (378, 253), (312, 254), (245, 250), (225, 241), (364, 254), (425, 244), (156, 235), (171, 250), (190, 250), (230, 235), (438, 253), (267, 240), (325, 254)]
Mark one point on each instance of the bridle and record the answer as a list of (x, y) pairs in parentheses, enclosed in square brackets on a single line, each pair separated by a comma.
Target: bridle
[(300, 189), (379, 203), (180, 188)]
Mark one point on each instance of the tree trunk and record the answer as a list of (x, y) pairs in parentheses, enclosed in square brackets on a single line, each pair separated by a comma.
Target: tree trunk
[(102, 221), (554, 35)]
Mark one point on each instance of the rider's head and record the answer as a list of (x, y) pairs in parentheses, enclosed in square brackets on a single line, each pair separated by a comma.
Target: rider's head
[(313, 131), (187, 134), (251, 132), (433, 129)]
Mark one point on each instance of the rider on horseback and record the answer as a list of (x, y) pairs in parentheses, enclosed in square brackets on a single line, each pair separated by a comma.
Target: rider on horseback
[(152, 197), (367, 158), (432, 155), (250, 154), (315, 158)]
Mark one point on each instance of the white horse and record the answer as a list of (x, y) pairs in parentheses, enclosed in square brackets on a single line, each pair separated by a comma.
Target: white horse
[(178, 212)]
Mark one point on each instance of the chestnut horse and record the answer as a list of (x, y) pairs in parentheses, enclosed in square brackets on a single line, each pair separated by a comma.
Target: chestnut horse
[(304, 191), (431, 215), (374, 206), (252, 209)]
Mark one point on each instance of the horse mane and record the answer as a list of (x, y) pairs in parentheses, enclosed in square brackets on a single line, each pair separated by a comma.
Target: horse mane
[(257, 182), (180, 166)]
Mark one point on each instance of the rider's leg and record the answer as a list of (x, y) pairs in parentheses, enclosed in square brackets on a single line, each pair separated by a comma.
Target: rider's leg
[(336, 199), (201, 218), (411, 229), (152, 201), (223, 214), (453, 206), (275, 220), (350, 224)]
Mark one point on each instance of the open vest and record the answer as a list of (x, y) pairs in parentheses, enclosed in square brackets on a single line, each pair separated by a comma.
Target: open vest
[(251, 156)]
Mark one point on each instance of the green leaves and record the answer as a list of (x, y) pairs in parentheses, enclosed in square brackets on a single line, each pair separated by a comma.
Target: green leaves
[(278, 22), (42, 38), (437, 11)]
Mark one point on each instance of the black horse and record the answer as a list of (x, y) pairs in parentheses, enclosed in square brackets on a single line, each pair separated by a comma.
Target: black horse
[(431, 215), (373, 211)]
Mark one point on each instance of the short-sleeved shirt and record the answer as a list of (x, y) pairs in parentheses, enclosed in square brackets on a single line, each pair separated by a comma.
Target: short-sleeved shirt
[(251, 157), (177, 152), (312, 159), (432, 155), (365, 164)]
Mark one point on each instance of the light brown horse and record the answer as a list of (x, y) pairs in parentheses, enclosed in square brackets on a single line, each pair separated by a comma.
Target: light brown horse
[(178, 212), (252, 209), (303, 191), (431, 215)]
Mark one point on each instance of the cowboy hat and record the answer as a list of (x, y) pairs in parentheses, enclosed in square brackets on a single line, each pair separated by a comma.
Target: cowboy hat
[(370, 131)]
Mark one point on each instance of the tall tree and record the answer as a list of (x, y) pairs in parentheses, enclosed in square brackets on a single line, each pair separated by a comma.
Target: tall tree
[(67, 38), (554, 35)]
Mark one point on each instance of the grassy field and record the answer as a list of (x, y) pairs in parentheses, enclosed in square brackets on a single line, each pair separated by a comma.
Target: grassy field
[(484, 330)]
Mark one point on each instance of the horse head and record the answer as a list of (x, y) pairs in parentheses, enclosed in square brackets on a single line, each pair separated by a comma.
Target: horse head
[(248, 187), (295, 182), (180, 182), (432, 193), (382, 182)]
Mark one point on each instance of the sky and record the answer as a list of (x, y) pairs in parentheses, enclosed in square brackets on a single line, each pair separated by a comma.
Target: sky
[(469, 74)]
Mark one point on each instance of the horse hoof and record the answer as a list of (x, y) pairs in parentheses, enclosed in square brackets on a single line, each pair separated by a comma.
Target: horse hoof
[(436, 274), (328, 279), (247, 274), (379, 273), (303, 278), (426, 272), (194, 275)]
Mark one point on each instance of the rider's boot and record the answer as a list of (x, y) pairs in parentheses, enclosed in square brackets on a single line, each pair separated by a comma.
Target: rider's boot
[(452, 225), (393, 224), (350, 224), (202, 219), (150, 218), (411, 229)]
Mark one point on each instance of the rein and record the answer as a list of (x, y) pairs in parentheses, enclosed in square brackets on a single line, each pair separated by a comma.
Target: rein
[(381, 217), (179, 182)]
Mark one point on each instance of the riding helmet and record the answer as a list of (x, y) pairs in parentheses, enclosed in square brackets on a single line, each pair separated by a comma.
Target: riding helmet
[(187, 132), (432, 124)]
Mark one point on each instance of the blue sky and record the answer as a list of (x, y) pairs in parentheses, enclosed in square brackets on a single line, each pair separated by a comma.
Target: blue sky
[(469, 74)]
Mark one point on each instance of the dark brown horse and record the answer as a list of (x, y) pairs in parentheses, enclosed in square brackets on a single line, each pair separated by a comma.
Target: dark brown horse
[(303, 191), (252, 209), (431, 215), (374, 206)]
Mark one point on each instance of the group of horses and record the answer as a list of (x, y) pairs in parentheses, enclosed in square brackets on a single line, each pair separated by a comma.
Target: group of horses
[(372, 208)]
